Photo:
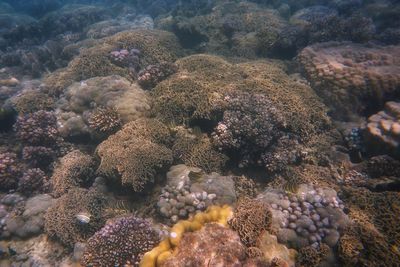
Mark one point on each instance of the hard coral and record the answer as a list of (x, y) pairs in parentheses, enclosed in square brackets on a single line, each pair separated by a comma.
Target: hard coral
[(251, 218), (196, 150), (38, 156), (134, 154), (120, 242), (383, 130), (9, 170), (150, 76), (350, 77), (62, 219), (105, 120), (33, 181), (251, 123), (39, 128), (74, 169), (311, 256)]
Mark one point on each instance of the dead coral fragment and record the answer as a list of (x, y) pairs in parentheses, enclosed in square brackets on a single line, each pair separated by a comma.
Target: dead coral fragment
[(250, 220)]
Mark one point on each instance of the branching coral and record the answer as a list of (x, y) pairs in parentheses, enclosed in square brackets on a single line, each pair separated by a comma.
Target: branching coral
[(135, 153), (39, 128), (74, 169), (150, 76), (104, 120), (62, 219), (250, 125), (197, 150), (120, 242), (251, 218), (9, 170), (33, 181)]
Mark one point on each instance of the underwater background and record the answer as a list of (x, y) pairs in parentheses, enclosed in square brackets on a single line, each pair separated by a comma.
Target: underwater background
[(199, 133)]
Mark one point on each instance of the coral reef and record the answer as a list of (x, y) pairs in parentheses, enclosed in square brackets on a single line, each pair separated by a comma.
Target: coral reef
[(112, 92), (9, 170), (276, 253), (62, 221), (33, 181), (383, 130), (155, 46), (126, 59), (352, 78), (190, 190), (39, 128), (73, 170), (312, 256), (120, 242), (250, 220), (32, 101), (105, 120), (310, 216), (150, 76), (250, 124), (159, 254), (196, 150), (186, 98), (38, 156), (219, 246), (134, 154)]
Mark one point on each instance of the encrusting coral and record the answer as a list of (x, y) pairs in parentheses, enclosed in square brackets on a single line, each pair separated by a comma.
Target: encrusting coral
[(120, 242), (134, 154)]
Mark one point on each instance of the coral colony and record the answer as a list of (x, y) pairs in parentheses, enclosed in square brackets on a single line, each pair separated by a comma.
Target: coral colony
[(199, 133)]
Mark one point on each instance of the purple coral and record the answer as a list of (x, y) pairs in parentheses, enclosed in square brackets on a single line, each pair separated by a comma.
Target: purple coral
[(38, 156), (121, 242), (153, 74), (250, 125), (39, 128), (126, 58), (9, 170), (33, 181)]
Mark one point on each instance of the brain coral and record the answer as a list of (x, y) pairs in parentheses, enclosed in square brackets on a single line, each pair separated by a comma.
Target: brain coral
[(120, 242), (62, 219), (383, 130), (73, 170), (154, 45), (135, 153), (352, 77)]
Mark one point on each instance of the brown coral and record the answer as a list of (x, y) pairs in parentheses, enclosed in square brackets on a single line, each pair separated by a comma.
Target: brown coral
[(62, 220), (74, 169), (135, 153), (310, 256), (250, 220), (154, 45), (105, 120), (350, 77), (196, 150), (383, 129)]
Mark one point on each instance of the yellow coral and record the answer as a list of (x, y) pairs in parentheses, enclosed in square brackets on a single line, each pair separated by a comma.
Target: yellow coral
[(159, 254)]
